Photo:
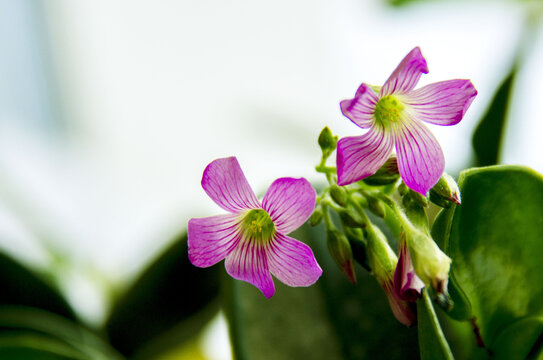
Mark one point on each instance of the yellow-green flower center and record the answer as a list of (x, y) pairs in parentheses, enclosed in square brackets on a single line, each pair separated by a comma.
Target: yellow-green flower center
[(388, 110), (257, 225)]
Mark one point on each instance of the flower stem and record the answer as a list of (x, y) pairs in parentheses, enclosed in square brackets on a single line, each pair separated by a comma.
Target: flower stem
[(434, 327)]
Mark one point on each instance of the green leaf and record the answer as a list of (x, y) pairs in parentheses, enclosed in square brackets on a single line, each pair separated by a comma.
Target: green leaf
[(488, 135), (433, 344), (29, 330), (21, 286), (332, 319), (519, 340), (30, 346), (170, 302), (496, 245), (440, 233)]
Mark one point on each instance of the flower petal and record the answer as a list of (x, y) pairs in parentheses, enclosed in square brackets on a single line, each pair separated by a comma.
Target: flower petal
[(407, 285), (292, 262), (248, 262), (360, 109), (420, 159), (442, 103), (406, 75), (404, 311), (225, 183), (289, 202), (361, 156), (211, 239)]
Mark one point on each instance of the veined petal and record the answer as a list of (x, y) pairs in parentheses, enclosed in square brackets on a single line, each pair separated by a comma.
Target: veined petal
[(248, 262), (406, 75), (407, 285), (404, 311), (292, 262), (442, 103), (289, 202), (225, 183), (211, 239), (361, 156), (360, 109), (420, 159)]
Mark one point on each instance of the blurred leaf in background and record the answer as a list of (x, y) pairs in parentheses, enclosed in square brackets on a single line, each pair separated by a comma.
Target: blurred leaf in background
[(169, 304), (36, 322), (488, 136), (21, 286)]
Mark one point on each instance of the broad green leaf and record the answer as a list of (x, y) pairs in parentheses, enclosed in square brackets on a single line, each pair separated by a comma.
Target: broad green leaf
[(488, 135), (440, 233), (170, 302), (496, 245), (433, 344), (21, 286), (27, 330), (519, 340), (32, 346), (332, 319)]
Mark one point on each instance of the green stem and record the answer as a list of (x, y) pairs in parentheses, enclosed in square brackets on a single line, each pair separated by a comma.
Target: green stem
[(435, 327), (326, 216)]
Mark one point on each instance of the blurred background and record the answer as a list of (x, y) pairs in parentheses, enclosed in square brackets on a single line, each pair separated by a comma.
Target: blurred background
[(110, 111)]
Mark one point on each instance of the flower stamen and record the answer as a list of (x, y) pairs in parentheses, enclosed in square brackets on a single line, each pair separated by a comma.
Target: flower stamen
[(388, 110), (257, 225)]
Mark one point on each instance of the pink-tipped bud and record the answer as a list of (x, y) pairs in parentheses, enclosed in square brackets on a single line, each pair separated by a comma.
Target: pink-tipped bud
[(382, 260), (445, 192), (341, 252), (407, 285)]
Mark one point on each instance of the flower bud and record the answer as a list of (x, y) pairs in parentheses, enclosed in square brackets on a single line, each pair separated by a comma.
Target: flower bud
[(387, 174), (415, 212), (431, 264), (327, 141), (402, 189), (407, 284), (445, 192), (377, 207), (358, 246), (316, 217), (341, 252), (351, 219), (383, 261), (338, 194), (381, 258), (418, 198)]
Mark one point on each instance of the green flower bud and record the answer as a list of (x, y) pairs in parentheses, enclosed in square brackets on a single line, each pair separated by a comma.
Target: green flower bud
[(418, 198), (387, 174), (381, 258), (316, 217), (445, 192), (402, 189), (351, 219), (358, 246), (341, 252), (383, 261), (415, 212), (327, 141), (430, 263), (377, 207), (338, 194)]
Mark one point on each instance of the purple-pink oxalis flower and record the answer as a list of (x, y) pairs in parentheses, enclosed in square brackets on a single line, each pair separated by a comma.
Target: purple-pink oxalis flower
[(253, 236), (393, 115)]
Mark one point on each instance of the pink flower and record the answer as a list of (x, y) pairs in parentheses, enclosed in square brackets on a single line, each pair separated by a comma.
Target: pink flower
[(405, 311), (252, 238), (394, 114), (407, 285)]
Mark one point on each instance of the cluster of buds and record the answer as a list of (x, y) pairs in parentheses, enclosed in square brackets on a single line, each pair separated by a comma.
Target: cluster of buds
[(353, 237)]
